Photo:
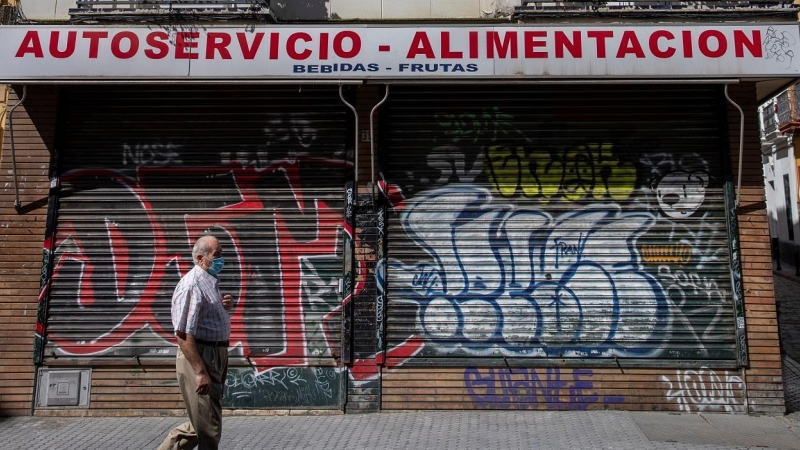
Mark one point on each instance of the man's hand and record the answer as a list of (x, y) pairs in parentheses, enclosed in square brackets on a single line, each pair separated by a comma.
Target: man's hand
[(190, 351), (203, 384), (227, 301)]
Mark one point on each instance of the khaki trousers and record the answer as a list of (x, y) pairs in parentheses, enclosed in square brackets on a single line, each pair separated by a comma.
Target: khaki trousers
[(204, 428)]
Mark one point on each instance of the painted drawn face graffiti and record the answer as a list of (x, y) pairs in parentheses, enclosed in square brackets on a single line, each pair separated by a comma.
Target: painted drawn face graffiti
[(680, 194)]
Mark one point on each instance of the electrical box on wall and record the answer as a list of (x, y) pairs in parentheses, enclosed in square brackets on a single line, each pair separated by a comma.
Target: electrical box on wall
[(62, 388)]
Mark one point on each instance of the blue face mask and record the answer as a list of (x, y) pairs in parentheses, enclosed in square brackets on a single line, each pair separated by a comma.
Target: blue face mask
[(216, 265)]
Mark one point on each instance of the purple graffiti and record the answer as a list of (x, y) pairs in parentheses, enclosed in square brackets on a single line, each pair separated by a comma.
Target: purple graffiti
[(523, 388)]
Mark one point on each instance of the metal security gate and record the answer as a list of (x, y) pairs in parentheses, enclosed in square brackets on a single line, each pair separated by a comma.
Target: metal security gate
[(143, 172), (550, 236)]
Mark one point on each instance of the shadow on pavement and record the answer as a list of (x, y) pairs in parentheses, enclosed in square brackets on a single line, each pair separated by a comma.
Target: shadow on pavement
[(787, 298)]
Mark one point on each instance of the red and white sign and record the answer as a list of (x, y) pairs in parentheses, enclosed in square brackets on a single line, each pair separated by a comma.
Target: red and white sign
[(345, 52)]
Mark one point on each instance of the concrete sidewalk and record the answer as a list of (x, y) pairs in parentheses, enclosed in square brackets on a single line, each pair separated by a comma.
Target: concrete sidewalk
[(787, 271), (464, 430), (787, 296)]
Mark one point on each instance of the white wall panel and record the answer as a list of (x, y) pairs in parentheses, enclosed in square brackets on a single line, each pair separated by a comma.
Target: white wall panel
[(417, 9), (356, 9), (455, 8), (499, 8), (46, 9)]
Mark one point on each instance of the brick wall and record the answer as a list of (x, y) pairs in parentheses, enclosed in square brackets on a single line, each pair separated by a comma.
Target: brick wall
[(21, 239), (763, 376)]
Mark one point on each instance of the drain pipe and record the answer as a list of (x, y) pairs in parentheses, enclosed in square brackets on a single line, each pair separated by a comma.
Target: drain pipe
[(345, 369), (372, 138), (17, 204), (744, 391), (355, 149), (741, 146)]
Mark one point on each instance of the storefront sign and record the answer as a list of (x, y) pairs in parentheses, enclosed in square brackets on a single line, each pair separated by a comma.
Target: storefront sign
[(366, 52)]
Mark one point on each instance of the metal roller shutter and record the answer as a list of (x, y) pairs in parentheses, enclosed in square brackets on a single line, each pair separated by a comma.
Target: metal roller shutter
[(552, 225), (144, 171)]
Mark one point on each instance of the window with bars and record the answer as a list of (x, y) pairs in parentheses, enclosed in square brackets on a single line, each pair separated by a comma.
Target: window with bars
[(769, 122), (783, 108)]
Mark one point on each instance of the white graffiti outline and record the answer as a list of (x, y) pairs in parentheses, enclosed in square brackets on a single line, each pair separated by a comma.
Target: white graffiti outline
[(704, 390)]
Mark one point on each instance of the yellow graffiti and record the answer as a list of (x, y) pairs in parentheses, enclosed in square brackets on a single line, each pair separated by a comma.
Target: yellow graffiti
[(679, 254), (588, 171)]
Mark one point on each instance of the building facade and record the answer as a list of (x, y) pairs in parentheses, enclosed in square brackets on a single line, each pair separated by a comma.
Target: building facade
[(522, 205), (779, 120)]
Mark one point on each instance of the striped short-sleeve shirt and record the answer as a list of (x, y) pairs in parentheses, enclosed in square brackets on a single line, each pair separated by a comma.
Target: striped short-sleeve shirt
[(197, 307)]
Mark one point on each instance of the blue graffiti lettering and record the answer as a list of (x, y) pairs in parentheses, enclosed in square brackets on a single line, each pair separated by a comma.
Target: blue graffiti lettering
[(563, 248), (523, 388), (427, 278), (544, 285)]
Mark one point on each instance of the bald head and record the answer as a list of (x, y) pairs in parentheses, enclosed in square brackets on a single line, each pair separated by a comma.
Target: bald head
[(205, 246)]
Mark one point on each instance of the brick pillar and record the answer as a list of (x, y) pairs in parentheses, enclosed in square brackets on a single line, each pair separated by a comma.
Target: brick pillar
[(363, 388), (21, 241), (763, 375), (3, 109)]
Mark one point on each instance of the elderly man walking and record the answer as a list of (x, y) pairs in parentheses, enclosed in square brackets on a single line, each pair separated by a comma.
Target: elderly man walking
[(202, 328)]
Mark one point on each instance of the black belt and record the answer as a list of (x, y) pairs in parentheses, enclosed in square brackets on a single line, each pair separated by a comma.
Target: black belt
[(211, 343)]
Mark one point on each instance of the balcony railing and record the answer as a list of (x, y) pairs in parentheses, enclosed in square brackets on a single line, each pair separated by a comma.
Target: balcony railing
[(783, 108), (652, 4), (787, 109), (795, 102), (651, 8), (175, 10), (8, 14)]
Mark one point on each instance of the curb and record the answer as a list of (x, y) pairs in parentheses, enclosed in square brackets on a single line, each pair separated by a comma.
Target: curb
[(785, 276)]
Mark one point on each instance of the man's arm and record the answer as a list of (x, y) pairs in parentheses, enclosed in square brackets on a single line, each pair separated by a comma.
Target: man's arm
[(188, 346)]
